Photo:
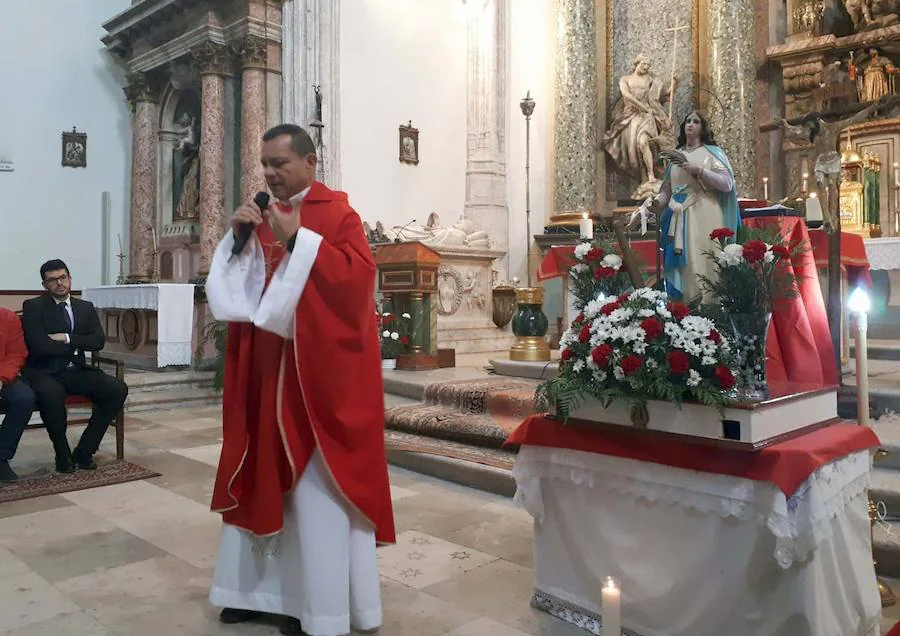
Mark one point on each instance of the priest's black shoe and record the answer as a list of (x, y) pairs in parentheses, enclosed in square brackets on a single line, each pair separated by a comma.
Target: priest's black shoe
[(84, 462), (290, 626), (7, 474), (231, 615), (64, 464)]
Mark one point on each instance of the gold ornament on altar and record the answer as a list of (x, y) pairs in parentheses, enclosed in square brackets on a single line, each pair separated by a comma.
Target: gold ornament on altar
[(808, 16)]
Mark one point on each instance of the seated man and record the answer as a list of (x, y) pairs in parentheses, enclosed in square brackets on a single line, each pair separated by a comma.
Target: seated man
[(58, 330), (16, 397)]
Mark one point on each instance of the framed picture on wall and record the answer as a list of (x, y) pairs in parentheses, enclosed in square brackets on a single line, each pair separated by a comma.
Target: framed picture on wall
[(74, 149), (409, 144)]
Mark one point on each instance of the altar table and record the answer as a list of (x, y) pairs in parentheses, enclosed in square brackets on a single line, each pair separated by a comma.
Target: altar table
[(704, 541), (174, 307)]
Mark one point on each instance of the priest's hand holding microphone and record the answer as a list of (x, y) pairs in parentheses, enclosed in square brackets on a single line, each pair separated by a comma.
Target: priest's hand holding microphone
[(285, 225)]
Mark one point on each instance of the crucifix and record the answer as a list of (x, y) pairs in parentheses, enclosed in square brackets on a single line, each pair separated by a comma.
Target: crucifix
[(674, 30)]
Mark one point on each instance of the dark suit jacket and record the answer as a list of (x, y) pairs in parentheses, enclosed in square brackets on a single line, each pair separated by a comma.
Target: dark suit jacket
[(41, 317)]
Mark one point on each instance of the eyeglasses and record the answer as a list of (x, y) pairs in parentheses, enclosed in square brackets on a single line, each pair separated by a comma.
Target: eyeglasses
[(57, 279)]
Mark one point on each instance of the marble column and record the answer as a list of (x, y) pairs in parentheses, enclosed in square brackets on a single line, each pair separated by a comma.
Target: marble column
[(486, 193), (143, 94), (213, 61), (252, 53), (575, 141), (732, 73), (311, 57)]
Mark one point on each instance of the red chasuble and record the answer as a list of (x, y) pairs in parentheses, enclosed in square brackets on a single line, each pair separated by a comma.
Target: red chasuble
[(283, 399)]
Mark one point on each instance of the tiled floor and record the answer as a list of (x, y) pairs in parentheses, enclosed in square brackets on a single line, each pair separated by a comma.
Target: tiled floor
[(136, 559)]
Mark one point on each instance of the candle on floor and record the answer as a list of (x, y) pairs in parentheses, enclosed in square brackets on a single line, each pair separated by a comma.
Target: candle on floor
[(586, 226), (611, 608), (765, 188)]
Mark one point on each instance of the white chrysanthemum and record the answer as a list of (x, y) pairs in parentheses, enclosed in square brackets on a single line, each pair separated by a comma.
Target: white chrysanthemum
[(769, 256), (623, 314), (600, 376), (582, 249), (613, 261), (618, 373), (652, 364), (578, 366), (708, 361), (386, 314), (645, 313), (593, 308), (578, 269), (640, 347), (693, 378), (385, 334), (407, 316), (395, 336), (732, 254)]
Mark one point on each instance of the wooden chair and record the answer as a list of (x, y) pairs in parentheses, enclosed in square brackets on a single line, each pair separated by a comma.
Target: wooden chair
[(81, 401)]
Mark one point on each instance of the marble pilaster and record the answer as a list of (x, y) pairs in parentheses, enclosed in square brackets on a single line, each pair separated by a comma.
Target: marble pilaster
[(214, 62), (143, 94), (575, 140), (486, 193), (310, 58), (252, 53), (732, 74)]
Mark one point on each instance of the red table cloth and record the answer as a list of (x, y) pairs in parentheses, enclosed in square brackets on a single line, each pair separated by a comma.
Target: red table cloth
[(854, 260), (798, 347), (786, 464)]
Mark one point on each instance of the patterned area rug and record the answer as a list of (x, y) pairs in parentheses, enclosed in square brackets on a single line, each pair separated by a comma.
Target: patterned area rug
[(481, 412), (48, 482), (397, 441)]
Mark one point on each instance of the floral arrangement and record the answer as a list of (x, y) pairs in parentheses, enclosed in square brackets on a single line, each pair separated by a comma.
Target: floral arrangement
[(639, 346), (597, 270), (395, 334), (751, 270)]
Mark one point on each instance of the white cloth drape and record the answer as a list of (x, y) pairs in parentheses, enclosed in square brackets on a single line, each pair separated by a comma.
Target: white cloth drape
[(174, 307), (883, 253), (700, 554)]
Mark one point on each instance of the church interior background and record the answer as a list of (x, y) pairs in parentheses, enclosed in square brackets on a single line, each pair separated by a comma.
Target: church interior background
[(493, 135)]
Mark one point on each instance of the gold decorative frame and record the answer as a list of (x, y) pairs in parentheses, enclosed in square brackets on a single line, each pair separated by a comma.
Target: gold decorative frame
[(409, 144)]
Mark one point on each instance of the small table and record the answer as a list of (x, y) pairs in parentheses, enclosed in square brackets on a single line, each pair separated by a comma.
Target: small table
[(703, 540), (146, 325)]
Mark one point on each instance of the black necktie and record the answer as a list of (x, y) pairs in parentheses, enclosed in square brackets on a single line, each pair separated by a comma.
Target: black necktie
[(66, 319)]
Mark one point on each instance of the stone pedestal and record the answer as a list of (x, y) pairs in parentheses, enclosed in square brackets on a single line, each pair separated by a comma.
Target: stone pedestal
[(462, 307)]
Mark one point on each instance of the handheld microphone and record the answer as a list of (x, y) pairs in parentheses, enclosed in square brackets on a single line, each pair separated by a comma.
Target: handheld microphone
[(400, 231), (246, 229)]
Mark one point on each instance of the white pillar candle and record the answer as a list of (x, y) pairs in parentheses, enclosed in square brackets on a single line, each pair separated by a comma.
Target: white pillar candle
[(813, 209), (805, 180), (765, 188), (611, 608), (586, 226), (896, 174), (153, 233)]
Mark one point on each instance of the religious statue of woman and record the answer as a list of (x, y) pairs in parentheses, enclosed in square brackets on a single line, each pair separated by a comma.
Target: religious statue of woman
[(875, 84), (188, 206), (697, 196), (640, 127)]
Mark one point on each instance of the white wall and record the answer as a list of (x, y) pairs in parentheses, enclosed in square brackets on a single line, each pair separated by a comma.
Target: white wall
[(60, 77), (403, 60), (531, 59)]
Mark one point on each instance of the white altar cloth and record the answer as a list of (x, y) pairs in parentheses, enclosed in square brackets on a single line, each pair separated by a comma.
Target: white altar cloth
[(700, 554), (174, 307), (883, 253)]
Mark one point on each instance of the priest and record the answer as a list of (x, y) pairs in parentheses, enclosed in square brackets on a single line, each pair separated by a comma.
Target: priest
[(302, 482)]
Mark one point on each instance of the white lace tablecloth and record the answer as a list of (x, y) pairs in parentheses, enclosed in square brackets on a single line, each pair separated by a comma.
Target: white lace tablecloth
[(700, 553), (883, 253), (174, 307)]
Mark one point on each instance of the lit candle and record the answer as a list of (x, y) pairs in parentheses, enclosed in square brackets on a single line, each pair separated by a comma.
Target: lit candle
[(896, 174), (586, 226), (813, 208), (765, 188), (153, 234), (805, 180), (611, 609)]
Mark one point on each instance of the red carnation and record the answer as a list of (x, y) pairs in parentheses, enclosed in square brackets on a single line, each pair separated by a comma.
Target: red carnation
[(715, 336), (566, 355), (623, 297), (585, 334), (404, 340), (754, 251), (679, 361), (388, 319), (608, 308), (725, 377), (721, 233), (601, 355), (781, 251), (678, 310), (631, 364), (604, 272), (595, 254), (579, 318), (652, 328)]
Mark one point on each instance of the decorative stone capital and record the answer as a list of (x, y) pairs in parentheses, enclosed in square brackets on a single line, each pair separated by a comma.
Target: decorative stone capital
[(251, 51), (212, 58), (141, 88)]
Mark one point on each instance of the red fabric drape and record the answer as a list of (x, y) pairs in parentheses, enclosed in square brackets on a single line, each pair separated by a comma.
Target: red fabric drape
[(854, 260), (787, 464)]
